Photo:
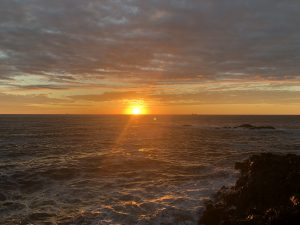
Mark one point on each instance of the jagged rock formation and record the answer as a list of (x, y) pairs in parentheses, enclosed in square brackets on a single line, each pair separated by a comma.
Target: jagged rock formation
[(266, 193)]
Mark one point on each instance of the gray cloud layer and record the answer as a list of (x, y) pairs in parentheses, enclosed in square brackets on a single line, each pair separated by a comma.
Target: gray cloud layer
[(159, 40), (202, 97)]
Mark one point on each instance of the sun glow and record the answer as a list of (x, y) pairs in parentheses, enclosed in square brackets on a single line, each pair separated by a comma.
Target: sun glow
[(136, 108)]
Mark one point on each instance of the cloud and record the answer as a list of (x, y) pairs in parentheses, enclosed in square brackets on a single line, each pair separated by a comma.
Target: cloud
[(41, 87), (9, 99), (200, 97), (108, 96), (231, 97), (166, 46), (171, 39)]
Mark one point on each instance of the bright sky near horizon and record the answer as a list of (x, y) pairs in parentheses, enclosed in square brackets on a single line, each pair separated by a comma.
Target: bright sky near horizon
[(170, 56)]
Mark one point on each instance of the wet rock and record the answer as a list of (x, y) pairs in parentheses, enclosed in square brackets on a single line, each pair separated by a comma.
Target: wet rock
[(267, 192), (295, 200), (249, 126)]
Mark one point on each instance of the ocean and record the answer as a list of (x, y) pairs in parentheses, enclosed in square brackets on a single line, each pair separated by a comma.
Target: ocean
[(89, 169)]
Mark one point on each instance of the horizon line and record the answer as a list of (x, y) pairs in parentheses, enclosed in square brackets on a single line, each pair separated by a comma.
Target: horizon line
[(149, 114)]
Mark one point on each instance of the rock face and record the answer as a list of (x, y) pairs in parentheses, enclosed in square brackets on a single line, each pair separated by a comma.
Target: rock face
[(267, 192)]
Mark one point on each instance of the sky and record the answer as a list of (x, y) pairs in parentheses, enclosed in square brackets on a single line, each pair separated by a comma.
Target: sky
[(171, 56)]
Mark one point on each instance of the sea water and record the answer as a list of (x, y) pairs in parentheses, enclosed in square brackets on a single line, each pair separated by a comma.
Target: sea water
[(79, 169)]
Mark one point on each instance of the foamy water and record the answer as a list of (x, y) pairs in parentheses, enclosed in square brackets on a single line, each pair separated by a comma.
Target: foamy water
[(125, 170)]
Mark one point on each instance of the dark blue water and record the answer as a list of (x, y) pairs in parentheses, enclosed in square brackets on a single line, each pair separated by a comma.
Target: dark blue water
[(125, 170)]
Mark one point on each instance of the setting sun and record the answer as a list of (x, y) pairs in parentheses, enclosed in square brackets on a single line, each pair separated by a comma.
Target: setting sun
[(136, 108)]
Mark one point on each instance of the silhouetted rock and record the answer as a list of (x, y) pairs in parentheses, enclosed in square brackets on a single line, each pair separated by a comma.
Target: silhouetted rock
[(249, 126), (267, 192)]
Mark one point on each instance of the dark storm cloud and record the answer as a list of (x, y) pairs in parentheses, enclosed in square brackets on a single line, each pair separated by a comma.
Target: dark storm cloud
[(155, 39)]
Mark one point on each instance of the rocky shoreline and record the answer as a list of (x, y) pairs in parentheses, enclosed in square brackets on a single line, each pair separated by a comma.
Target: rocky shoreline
[(267, 192)]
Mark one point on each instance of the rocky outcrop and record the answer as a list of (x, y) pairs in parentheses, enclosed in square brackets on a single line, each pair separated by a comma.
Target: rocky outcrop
[(251, 127), (267, 192)]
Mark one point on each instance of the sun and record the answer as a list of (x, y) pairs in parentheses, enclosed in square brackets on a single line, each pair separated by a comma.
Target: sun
[(136, 111), (136, 107)]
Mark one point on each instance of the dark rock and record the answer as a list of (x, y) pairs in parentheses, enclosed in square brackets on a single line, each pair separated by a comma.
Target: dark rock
[(295, 200), (249, 126), (267, 192)]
